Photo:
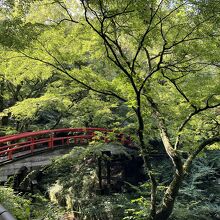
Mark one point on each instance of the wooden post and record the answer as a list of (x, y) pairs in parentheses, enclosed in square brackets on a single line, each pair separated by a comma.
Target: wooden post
[(75, 140), (50, 143), (32, 145), (10, 154), (68, 141), (108, 169), (100, 173), (9, 150)]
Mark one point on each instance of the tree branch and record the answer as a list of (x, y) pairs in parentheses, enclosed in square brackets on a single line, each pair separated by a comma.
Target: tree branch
[(148, 59), (141, 43), (198, 150), (180, 91), (63, 70), (186, 39), (171, 152), (68, 13), (108, 47), (189, 117), (157, 68)]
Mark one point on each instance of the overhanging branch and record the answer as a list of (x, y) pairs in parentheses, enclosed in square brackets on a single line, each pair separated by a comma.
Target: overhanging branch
[(171, 152), (193, 155), (63, 70), (189, 117)]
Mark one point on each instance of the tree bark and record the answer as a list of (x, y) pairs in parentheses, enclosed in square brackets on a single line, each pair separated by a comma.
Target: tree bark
[(169, 198), (193, 155), (145, 156), (172, 191)]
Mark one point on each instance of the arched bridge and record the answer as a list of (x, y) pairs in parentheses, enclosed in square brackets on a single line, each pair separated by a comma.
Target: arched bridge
[(36, 149), (13, 147)]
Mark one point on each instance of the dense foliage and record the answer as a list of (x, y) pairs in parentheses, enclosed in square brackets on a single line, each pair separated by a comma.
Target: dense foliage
[(74, 184), (18, 206)]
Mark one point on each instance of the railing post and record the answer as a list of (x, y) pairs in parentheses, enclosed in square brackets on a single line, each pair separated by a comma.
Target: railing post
[(93, 134), (50, 143), (10, 155), (75, 140), (32, 145), (68, 141)]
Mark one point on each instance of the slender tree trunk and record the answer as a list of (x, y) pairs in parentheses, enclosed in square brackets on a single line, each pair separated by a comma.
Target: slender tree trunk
[(169, 198), (145, 156), (172, 191)]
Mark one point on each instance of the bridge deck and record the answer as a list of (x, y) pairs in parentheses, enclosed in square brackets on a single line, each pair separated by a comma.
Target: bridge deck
[(26, 144)]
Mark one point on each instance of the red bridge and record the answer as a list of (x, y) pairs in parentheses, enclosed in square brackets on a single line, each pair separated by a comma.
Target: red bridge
[(26, 144)]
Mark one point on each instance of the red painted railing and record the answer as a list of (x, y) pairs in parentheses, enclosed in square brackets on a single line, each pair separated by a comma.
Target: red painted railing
[(19, 145)]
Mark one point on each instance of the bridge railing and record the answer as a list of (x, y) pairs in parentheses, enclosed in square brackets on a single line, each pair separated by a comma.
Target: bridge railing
[(18, 145), (4, 214)]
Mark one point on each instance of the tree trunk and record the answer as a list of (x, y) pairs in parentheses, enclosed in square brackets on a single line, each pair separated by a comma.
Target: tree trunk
[(172, 191), (169, 198), (146, 159)]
